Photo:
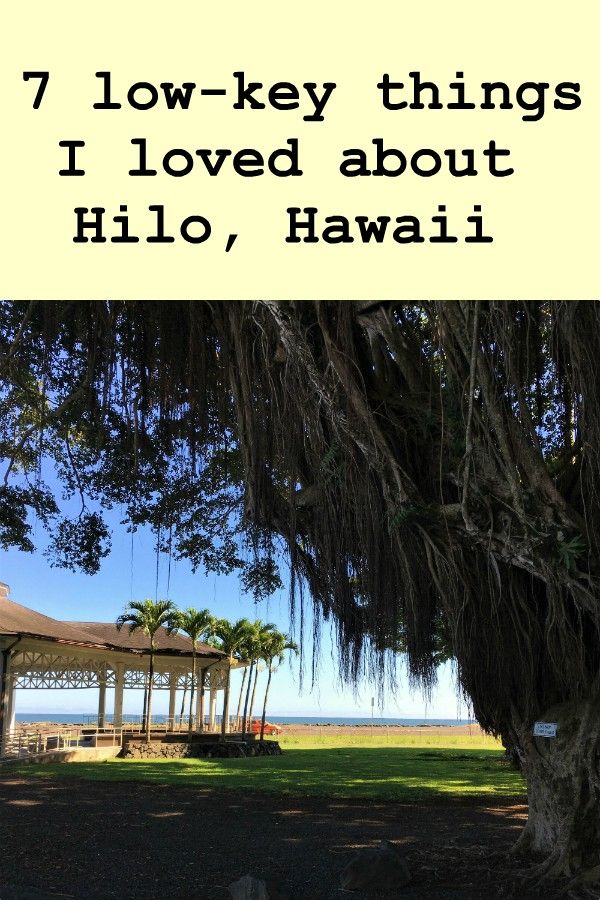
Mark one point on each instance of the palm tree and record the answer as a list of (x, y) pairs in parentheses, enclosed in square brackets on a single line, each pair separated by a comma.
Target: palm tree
[(256, 672), (257, 635), (199, 626), (182, 710), (273, 649), (232, 639), (212, 642), (149, 616), (241, 697)]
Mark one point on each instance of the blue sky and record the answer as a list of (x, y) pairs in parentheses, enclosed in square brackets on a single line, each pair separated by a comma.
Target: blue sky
[(130, 572)]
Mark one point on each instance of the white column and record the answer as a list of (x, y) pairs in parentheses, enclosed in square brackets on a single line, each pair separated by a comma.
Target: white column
[(9, 707), (12, 706), (102, 703), (212, 715), (119, 684), (172, 699), (9, 704), (2, 699)]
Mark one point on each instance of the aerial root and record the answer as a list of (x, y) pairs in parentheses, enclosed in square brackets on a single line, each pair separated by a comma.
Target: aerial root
[(550, 868), (585, 879), (521, 845), (556, 867)]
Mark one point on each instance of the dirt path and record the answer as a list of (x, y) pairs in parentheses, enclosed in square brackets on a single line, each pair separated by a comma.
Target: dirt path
[(77, 839)]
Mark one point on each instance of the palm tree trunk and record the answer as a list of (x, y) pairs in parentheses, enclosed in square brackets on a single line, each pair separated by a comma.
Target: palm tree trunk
[(239, 706), (149, 710), (190, 721), (182, 710), (245, 718), (202, 692), (226, 702), (264, 712), (145, 704), (253, 692)]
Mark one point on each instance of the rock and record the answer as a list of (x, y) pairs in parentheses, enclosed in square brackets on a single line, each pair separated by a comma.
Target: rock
[(250, 888), (155, 750), (267, 748), (380, 868), (180, 750)]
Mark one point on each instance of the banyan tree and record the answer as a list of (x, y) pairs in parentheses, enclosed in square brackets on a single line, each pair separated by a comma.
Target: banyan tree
[(427, 469)]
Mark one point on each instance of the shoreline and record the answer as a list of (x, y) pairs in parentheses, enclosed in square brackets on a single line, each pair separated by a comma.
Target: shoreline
[(56, 719), (299, 728)]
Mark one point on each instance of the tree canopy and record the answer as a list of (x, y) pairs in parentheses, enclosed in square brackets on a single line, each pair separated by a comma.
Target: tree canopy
[(429, 468)]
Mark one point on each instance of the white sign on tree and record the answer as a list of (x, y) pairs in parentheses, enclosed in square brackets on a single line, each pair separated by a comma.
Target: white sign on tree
[(545, 729)]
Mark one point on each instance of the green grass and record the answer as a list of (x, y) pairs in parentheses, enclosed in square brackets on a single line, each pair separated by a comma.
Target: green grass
[(381, 738), (338, 767)]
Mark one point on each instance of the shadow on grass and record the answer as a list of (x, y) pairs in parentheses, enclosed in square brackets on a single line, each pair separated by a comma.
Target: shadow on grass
[(127, 837), (387, 774)]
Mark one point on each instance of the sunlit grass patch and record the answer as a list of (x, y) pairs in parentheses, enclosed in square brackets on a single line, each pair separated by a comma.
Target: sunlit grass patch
[(336, 767), (382, 737)]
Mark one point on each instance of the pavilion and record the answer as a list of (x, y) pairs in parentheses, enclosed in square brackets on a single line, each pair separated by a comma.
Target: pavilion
[(37, 651)]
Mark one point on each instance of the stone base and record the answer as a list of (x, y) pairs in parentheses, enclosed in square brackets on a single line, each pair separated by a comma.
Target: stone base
[(198, 749)]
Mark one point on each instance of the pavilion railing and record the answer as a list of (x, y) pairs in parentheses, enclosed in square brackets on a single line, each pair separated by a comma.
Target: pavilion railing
[(20, 742), (165, 724), (23, 741)]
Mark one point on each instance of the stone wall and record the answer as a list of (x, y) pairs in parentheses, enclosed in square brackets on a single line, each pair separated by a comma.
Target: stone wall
[(171, 750), (155, 750)]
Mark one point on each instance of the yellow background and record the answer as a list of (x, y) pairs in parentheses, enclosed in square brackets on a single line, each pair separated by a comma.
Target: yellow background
[(543, 218)]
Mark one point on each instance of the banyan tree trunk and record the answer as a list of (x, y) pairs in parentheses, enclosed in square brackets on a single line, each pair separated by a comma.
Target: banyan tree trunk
[(563, 787)]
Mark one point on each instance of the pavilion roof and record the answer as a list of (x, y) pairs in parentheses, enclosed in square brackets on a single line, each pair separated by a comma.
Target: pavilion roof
[(21, 621), (108, 633)]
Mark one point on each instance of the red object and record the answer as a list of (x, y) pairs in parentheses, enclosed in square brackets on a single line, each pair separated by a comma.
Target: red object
[(269, 727)]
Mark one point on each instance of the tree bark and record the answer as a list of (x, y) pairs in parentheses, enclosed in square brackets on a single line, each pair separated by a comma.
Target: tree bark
[(563, 787)]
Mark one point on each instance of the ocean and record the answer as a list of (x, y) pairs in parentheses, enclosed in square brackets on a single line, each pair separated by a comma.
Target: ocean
[(71, 718)]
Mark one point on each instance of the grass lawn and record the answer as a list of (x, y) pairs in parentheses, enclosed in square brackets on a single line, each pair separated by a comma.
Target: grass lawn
[(379, 767), (382, 737)]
